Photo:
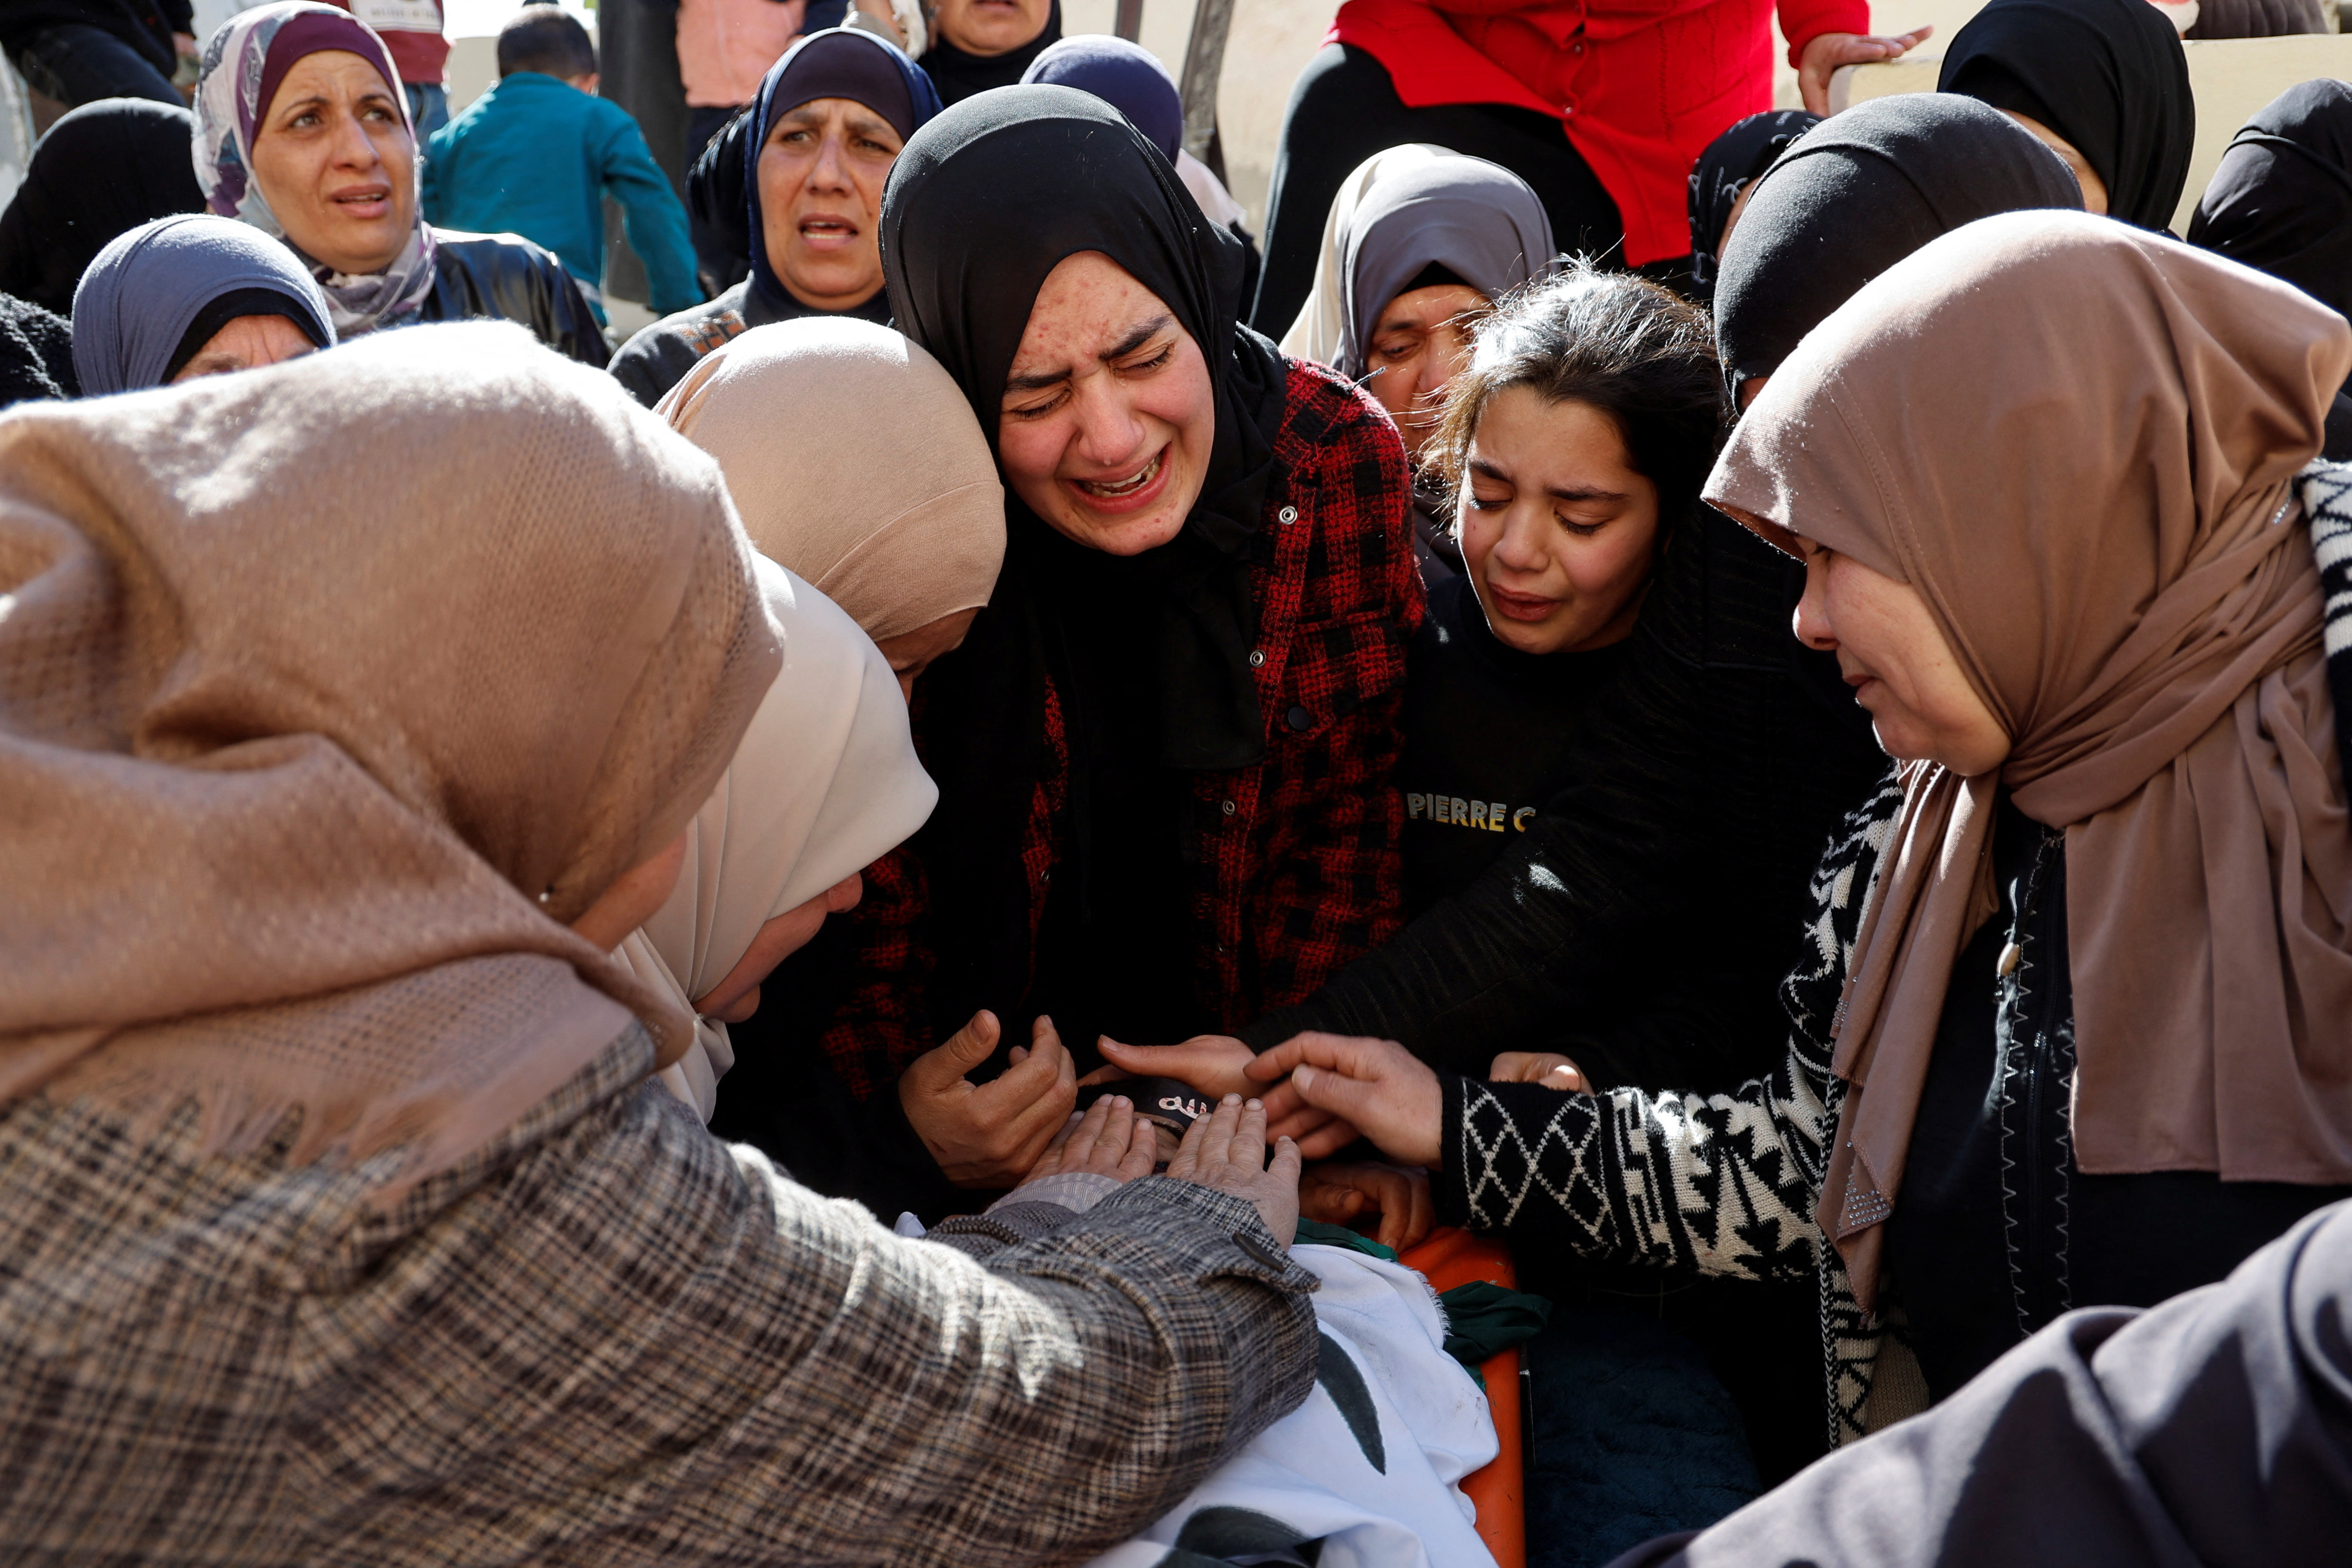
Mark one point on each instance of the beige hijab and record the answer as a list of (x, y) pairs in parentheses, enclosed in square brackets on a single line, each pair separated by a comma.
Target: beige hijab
[(2075, 439), (328, 693), (857, 464), (824, 783)]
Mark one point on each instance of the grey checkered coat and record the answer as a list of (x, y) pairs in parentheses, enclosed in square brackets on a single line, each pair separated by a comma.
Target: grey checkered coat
[(604, 1339)]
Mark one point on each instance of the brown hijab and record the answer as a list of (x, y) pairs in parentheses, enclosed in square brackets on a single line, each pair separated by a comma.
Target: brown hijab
[(328, 693), (2075, 439)]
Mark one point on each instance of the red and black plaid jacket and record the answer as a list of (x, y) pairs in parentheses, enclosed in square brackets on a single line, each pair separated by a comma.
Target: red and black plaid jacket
[(1300, 873)]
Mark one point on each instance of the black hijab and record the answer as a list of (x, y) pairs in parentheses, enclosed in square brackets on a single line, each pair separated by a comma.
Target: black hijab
[(101, 170), (1725, 169), (958, 74), (2109, 75), (2281, 200), (1858, 193), (2281, 203), (1146, 655)]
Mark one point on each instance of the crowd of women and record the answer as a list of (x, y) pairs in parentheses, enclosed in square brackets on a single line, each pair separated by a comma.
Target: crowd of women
[(1811, 799)]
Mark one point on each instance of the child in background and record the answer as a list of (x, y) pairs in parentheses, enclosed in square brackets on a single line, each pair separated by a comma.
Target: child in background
[(536, 154)]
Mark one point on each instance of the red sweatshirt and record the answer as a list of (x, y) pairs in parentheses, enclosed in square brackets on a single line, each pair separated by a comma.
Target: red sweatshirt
[(1640, 86)]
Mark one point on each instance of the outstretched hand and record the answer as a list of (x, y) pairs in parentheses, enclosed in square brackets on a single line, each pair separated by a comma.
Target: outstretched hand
[(1219, 1065), (988, 1135), (1225, 1149), (1825, 52), (1377, 1085)]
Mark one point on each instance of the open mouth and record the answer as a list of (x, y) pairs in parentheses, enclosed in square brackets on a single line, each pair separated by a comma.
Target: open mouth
[(827, 233), (368, 201), (1121, 490)]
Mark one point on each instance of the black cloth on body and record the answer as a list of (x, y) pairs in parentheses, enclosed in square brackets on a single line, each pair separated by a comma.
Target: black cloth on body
[(2109, 75), (2281, 200), (508, 277), (1730, 161), (958, 74), (2256, 19), (1147, 654), (1662, 894), (100, 171), (2214, 1430), (1486, 728), (61, 47), (1856, 195), (36, 353), (658, 357), (1996, 1234), (1344, 108)]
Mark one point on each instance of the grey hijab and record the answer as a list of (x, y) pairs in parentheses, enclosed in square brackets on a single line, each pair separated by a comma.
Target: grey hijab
[(1475, 219), (148, 292)]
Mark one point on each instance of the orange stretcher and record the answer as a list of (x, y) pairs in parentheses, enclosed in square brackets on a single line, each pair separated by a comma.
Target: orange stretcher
[(1451, 1258)]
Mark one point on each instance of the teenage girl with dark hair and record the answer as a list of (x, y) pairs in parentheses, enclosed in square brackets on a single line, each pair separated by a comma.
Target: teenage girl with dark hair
[(1572, 445)]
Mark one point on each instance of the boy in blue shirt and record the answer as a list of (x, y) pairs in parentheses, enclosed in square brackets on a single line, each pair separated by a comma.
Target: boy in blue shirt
[(537, 153)]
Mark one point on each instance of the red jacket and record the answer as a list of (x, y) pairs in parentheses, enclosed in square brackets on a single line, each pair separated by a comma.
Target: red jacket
[(1641, 86), (1300, 874)]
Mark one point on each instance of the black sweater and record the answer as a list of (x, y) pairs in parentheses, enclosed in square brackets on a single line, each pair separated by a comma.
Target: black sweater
[(1657, 900), (1486, 731)]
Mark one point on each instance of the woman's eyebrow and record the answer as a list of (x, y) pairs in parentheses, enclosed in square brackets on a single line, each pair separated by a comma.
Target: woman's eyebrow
[(1124, 347), (1137, 338), (1583, 493)]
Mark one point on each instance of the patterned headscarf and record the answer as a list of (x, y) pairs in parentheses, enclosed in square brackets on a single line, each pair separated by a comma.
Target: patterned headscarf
[(245, 61)]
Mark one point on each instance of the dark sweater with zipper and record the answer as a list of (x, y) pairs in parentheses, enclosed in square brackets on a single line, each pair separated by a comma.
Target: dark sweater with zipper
[(1657, 899)]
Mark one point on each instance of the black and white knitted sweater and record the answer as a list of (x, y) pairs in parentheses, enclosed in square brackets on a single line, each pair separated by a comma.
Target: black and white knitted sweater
[(1726, 1183)]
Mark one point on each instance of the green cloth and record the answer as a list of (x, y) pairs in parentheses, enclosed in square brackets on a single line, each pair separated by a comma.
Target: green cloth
[(1482, 1320), (1314, 1233), (537, 157)]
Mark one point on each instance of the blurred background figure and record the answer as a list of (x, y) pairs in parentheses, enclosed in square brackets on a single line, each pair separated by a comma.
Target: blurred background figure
[(78, 51), (1576, 107), (193, 296), (412, 30), (724, 47), (978, 43), (101, 170), (539, 153)]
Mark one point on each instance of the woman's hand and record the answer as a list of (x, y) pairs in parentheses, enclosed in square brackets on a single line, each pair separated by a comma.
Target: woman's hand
[(988, 1135), (1825, 52), (1546, 1067), (1337, 1192), (1225, 1149), (1219, 1065), (1378, 1085), (1109, 1140)]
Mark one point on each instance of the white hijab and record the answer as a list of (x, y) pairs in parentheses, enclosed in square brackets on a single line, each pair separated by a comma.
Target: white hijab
[(825, 783)]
